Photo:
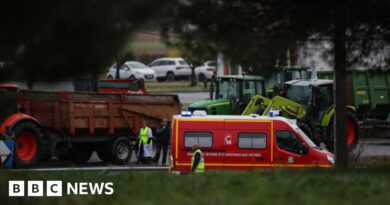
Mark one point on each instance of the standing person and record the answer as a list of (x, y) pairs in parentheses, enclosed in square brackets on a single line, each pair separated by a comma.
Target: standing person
[(163, 135), (212, 83), (197, 160), (145, 148)]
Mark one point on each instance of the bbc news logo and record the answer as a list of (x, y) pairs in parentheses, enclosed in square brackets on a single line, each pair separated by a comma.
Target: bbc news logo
[(57, 188)]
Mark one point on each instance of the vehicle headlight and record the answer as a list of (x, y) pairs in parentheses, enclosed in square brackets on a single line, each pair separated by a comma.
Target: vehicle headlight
[(330, 158)]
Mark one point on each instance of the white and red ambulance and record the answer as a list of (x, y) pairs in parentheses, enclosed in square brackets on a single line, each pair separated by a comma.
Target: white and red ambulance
[(234, 142)]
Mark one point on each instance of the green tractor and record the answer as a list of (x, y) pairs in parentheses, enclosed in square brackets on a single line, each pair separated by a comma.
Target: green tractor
[(311, 103), (233, 92), (232, 95), (283, 74)]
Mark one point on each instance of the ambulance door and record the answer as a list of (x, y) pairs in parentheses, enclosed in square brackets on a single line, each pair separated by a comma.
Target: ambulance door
[(288, 146), (246, 144)]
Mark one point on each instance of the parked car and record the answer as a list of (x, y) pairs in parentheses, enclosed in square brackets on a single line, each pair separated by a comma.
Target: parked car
[(132, 70), (205, 71), (170, 69)]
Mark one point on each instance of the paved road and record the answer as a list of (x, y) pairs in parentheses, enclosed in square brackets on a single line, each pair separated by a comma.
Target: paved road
[(374, 147), (192, 97)]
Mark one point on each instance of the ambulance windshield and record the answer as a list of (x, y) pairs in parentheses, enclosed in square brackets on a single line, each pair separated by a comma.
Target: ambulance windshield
[(304, 136)]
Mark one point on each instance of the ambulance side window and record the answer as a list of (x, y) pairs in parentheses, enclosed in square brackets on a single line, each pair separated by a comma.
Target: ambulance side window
[(203, 139), (288, 141), (252, 140)]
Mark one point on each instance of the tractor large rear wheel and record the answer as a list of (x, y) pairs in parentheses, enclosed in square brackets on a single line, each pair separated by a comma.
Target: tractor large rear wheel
[(352, 132), (29, 144)]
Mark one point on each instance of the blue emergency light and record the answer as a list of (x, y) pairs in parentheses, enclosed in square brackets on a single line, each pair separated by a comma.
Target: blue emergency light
[(186, 113)]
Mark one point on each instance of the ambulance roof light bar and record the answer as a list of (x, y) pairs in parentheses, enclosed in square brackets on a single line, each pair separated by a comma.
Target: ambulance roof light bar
[(199, 113), (185, 113)]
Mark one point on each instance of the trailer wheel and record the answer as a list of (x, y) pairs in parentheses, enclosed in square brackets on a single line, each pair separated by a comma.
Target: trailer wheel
[(103, 152), (121, 150), (81, 152), (352, 132), (62, 152), (29, 144)]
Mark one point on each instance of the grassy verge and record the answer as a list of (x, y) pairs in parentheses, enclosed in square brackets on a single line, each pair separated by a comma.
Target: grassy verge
[(314, 186), (177, 86)]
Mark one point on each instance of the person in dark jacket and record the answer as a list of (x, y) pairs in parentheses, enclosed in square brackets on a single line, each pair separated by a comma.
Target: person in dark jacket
[(162, 143)]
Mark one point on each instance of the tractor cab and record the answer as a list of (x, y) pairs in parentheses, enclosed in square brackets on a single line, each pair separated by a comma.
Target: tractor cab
[(283, 74), (316, 96), (232, 95), (8, 102), (287, 73)]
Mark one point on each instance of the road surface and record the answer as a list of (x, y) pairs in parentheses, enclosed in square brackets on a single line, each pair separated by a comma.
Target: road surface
[(192, 97), (374, 147)]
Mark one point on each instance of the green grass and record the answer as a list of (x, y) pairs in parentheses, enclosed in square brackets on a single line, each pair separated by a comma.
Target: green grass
[(370, 186), (177, 86)]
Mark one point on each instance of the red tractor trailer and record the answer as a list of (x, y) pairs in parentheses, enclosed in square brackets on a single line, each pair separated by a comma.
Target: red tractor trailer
[(71, 125), (244, 143)]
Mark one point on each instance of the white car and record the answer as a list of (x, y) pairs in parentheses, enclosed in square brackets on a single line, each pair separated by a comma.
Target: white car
[(170, 69), (131, 70), (205, 71)]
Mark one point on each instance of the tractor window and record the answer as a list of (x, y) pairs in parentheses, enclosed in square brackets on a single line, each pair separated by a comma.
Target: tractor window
[(228, 89), (299, 94), (203, 139), (259, 88), (288, 141), (323, 100), (324, 97), (248, 91), (249, 88)]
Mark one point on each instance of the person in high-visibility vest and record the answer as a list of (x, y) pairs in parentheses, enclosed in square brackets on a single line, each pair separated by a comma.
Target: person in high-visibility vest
[(197, 160), (145, 150)]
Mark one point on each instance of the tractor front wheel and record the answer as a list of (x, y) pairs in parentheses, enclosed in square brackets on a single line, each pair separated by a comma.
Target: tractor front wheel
[(29, 144)]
